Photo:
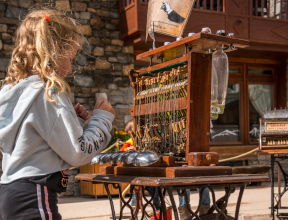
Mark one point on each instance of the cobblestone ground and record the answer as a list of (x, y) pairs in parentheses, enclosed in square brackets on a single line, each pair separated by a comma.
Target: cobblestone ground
[(258, 217)]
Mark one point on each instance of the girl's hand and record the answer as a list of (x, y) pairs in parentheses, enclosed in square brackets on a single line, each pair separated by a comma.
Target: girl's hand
[(104, 105), (81, 112)]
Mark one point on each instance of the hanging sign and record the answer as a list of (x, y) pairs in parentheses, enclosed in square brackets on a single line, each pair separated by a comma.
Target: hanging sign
[(168, 17)]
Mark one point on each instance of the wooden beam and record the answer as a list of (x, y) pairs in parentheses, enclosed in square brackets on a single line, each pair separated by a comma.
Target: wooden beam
[(150, 68), (252, 60), (198, 4), (281, 2), (198, 102), (274, 8), (286, 10), (262, 8)]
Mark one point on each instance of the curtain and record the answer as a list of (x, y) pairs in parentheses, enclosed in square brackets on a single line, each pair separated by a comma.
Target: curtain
[(261, 97)]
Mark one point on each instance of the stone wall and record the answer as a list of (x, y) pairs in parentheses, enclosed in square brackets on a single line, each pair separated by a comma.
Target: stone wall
[(101, 68)]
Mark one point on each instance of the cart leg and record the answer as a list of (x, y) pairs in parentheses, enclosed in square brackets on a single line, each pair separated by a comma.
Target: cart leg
[(272, 186), (110, 200), (239, 201), (169, 190), (163, 206), (148, 202)]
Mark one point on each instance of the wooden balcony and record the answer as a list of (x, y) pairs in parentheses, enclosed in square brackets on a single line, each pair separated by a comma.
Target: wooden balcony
[(263, 22)]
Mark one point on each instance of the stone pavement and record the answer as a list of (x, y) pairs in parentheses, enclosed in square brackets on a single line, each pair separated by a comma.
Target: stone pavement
[(255, 205)]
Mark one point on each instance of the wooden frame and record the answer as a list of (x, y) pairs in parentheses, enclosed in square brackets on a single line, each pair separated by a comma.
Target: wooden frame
[(278, 80)]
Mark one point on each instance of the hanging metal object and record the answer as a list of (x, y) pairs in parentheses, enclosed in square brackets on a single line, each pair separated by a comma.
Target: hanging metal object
[(96, 159), (128, 157), (104, 158), (146, 158), (115, 158)]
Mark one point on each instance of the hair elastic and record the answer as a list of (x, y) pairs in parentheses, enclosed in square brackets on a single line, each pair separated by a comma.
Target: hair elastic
[(47, 18)]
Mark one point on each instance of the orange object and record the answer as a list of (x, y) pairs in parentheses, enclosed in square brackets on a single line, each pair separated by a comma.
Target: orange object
[(169, 214), (47, 18), (125, 145)]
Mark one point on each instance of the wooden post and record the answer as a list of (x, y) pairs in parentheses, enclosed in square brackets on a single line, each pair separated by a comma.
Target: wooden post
[(198, 110)]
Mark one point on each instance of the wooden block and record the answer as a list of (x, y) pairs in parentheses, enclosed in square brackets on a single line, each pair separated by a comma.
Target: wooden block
[(165, 161), (257, 169), (198, 171), (170, 171), (107, 169), (202, 158), (141, 171)]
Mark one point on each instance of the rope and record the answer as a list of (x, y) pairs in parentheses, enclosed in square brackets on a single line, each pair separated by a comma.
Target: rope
[(126, 190), (117, 142), (241, 155)]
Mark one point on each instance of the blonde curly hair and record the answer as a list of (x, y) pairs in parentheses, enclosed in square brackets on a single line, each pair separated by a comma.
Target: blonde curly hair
[(40, 43)]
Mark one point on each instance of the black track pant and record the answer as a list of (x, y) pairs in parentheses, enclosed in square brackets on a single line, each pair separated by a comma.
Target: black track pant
[(28, 201)]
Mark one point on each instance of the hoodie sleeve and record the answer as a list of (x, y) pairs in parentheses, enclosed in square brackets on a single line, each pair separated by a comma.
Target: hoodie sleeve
[(73, 145)]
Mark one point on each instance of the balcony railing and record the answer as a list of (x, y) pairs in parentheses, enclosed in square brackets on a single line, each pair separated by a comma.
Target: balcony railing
[(125, 3), (212, 5), (270, 9)]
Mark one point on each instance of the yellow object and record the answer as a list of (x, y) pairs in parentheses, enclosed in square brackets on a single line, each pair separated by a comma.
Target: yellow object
[(130, 141)]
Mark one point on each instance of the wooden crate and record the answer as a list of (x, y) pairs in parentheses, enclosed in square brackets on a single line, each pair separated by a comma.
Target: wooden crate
[(87, 188)]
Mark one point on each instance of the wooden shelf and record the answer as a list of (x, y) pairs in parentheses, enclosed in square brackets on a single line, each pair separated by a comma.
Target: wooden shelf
[(199, 43)]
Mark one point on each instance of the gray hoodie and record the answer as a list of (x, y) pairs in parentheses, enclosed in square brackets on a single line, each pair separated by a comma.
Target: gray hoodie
[(39, 137)]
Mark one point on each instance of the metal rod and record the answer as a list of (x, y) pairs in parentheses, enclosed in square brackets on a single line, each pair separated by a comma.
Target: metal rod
[(279, 182), (272, 186)]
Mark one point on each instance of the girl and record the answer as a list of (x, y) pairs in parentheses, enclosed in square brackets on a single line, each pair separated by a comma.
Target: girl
[(40, 134)]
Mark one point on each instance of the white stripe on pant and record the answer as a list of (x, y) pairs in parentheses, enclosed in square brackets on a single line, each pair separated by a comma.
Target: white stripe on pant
[(40, 202)]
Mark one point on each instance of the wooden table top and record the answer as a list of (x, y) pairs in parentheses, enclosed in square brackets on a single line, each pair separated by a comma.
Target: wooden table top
[(168, 181)]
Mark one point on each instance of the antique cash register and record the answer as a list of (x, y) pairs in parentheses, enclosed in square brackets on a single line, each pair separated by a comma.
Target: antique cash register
[(274, 131), (273, 140)]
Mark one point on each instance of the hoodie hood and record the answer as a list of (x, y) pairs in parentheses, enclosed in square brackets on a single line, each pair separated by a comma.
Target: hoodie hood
[(15, 101)]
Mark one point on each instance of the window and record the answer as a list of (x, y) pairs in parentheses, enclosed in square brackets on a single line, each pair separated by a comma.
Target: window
[(251, 90), (227, 127), (261, 98)]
